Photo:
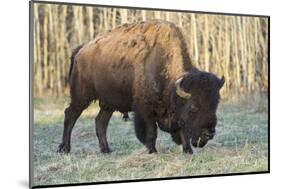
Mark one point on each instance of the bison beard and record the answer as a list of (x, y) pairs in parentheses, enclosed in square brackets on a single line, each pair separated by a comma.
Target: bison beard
[(143, 67)]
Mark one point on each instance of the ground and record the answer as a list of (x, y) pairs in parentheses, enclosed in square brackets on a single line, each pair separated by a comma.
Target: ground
[(240, 145)]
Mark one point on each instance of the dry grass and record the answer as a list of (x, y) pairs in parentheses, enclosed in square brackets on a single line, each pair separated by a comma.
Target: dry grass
[(241, 145)]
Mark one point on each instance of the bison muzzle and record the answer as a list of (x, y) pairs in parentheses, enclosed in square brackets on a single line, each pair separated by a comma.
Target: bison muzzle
[(143, 68)]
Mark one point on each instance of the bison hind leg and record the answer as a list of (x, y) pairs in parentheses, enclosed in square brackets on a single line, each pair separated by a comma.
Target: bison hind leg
[(126, 116), (72, 113), (102, 121)]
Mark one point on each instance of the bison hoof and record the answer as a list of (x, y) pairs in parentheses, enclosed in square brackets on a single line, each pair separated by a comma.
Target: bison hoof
[(189, 151), (106, 150), (63, 148), (152, 150)]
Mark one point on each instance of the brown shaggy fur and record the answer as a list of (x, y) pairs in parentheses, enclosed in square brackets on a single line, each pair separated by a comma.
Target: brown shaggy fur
[(132, 55), (130, 68)]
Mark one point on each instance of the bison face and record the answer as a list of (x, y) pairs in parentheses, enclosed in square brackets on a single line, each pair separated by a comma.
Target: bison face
[(196, 100), (202, 134)]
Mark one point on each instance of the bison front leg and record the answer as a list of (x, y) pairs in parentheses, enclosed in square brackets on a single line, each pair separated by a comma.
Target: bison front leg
[(151, 135), (146, 130), (185, 139), (102, 120)]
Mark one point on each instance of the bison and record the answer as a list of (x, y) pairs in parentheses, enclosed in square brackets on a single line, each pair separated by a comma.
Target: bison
[(143, 67)]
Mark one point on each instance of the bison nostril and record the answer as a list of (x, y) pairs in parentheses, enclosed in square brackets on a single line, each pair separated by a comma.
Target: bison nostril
[(210, 135), (212, 130)]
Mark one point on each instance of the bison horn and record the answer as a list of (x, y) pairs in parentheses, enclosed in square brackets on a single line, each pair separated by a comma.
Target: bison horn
[(180, 92)]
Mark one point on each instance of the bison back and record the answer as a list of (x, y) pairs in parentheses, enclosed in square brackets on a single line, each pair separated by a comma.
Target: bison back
[(131, 63)]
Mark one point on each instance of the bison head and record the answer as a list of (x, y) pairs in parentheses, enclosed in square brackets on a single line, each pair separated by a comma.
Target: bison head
[(196, 97)]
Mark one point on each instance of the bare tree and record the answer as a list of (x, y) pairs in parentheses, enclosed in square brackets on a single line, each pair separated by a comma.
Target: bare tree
[(233, 46)]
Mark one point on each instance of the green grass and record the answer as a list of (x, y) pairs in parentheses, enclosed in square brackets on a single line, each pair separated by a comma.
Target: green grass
[(240, 145)]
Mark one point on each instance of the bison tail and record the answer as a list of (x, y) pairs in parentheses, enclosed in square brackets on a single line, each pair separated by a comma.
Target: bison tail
[(72, 59), (140, 127)]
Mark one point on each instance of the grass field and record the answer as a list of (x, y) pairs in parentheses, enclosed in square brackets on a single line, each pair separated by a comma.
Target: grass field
[(240, 145)]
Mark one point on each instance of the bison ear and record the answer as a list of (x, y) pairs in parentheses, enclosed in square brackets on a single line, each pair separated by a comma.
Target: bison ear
[(221, 82)]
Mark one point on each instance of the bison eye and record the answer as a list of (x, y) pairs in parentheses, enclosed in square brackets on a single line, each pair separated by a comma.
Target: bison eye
[(193, 108)]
